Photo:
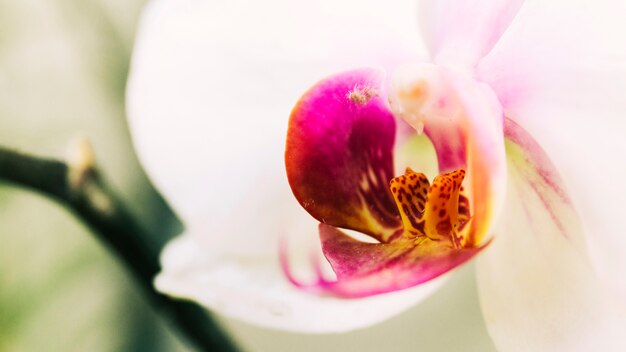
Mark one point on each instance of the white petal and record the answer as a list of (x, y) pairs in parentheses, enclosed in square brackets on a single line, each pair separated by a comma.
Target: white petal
[(254, 290), (536, 285), (560, 71), (209, 95), (460, 32), (211, 88)]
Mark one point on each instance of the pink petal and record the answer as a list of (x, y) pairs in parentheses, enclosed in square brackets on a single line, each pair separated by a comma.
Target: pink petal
[(486, 163), (339, 153), (461, 32), (365, 269), (537, 287), (535, 63)]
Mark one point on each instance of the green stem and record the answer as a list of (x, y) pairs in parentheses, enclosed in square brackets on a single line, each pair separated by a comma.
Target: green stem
[(95, 204)]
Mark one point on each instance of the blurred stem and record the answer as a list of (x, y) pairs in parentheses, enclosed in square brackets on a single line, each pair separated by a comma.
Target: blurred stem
[(78, 186)]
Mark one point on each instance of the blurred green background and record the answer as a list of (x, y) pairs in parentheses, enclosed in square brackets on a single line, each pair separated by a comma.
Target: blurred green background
[(63, 68)]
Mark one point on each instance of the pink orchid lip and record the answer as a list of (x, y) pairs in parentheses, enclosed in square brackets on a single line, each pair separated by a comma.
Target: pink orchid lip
[(339, 160), (365, 269)]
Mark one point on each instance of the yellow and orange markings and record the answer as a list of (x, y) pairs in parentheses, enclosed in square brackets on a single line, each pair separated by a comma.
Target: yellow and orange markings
[(437, 212)]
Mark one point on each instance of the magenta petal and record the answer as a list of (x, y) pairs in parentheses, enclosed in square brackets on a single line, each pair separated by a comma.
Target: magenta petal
[(348, 256), (339, 153), (365, 269)]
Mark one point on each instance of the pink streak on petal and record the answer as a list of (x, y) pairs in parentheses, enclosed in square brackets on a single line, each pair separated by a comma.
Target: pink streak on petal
[(537, 286), (543, 166), (366, 269), (283, 257), (449, 142)]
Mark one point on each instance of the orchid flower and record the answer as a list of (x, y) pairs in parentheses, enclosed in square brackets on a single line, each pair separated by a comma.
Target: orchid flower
[(520, 104)]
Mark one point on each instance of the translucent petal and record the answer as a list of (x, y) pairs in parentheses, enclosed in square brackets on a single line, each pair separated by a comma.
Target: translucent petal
[(537, 288), (210, 91), (254, 290), (366, 269), (566, 88), (461, 32)]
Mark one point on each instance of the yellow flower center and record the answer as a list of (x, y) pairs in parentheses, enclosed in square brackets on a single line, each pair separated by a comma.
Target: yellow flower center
[(437, 212)]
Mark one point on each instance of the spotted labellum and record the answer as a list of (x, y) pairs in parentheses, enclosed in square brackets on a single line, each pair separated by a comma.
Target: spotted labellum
[(339, 158)]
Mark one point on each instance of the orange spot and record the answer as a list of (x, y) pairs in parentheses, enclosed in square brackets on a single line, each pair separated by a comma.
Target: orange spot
[(416, 92)]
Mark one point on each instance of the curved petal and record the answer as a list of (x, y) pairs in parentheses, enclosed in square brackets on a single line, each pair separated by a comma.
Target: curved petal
[(534, 63), (566, 89), (340, 166), (486, 163), (210, 91), (461, 32), (366, 269), (209, 95), (339, 153), (536, 285), (254, 290)]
